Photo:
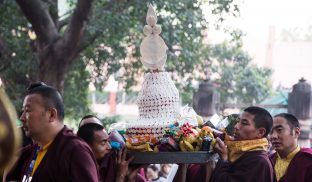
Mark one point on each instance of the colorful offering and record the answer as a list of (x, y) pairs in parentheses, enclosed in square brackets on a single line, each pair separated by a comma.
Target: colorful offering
[(162, 126)]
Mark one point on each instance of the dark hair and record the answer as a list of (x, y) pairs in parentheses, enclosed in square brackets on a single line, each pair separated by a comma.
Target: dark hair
[(86, 132), (89, 116), (291, 120), (263, 118), (51, 97)]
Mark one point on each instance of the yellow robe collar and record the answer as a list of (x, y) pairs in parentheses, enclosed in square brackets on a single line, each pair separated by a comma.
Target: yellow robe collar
[(237, 148), (282, 164)]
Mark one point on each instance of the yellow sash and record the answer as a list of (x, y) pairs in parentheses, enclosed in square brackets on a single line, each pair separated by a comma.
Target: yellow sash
[(238, 148)]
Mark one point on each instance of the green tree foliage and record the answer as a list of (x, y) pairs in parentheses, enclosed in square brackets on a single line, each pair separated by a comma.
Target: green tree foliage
[(105, 41), (76, 91), (121, 34), (238, 80), (17, 63)]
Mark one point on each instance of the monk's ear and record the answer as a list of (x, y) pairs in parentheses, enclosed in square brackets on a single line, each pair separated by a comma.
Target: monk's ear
[(297, 131), (52, 114), (261, 132)]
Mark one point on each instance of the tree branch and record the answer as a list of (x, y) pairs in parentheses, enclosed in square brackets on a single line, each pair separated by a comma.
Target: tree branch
[(62, 23), (76, 26), (79, 44), (53, 9), (40, 19), (87, 41)]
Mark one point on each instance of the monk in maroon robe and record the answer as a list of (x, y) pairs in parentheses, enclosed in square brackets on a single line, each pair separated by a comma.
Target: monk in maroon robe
[(113, 166), (300, 167), (253, 166), (245, 159), (68, 159), (57, 155), (291, 163)]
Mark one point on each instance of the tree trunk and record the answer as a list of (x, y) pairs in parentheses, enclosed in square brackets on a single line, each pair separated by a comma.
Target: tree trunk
[(56, 51), (52, 71)]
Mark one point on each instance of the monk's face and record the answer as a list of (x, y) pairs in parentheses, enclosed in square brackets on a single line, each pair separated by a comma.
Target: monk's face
[(35, 117), (100, 145), (246, 129), (283, 137)]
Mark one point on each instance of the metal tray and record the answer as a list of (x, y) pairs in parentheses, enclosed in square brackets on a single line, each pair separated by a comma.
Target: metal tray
[(170, 157)]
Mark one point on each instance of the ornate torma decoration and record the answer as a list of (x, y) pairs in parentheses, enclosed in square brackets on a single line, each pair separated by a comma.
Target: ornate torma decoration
[(153, 48)]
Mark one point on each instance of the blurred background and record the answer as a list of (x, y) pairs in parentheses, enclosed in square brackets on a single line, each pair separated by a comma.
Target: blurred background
[(240, 52)]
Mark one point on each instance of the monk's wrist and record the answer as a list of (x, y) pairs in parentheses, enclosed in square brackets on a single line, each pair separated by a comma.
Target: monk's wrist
[(120, 178), (121, 174)]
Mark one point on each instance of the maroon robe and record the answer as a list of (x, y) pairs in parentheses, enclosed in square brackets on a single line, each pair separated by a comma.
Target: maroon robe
[(195, 172), (107, 167), (300, 167), (68, 159), (253, 166)]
